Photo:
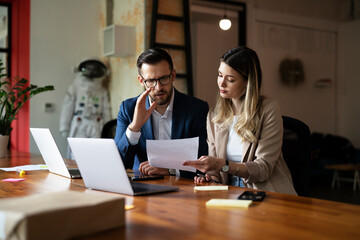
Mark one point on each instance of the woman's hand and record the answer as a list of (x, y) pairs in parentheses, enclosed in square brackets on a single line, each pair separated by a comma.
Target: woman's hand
[(200, 178), (206, 163)]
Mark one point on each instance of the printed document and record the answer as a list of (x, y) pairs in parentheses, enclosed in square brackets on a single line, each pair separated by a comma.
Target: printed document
[(172, 153)]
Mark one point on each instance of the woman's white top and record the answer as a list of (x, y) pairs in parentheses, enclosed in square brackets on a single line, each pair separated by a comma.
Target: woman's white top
[(234, 145)]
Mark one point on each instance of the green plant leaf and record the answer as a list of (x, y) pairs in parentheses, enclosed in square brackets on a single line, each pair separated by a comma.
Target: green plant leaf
[(14, 93)]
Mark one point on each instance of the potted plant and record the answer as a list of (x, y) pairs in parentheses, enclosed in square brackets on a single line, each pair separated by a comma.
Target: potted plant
[(14, 92)]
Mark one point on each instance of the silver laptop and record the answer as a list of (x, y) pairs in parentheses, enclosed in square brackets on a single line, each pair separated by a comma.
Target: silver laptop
[(51, 154), (102, 168)]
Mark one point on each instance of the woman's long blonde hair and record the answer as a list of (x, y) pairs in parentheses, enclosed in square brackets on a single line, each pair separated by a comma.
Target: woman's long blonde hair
[(246, 62)]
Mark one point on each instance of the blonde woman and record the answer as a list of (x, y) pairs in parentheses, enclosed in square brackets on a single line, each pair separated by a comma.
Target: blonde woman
[(245, 130)]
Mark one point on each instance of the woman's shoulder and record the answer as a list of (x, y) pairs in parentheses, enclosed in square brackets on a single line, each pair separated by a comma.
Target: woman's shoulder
[(270, 109), (211, 112), (268, 103), (210, 116)]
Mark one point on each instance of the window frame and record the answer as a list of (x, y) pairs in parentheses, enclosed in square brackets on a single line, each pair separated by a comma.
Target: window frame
[(7, 50)]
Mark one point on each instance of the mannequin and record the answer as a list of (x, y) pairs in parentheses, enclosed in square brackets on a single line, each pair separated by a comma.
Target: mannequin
[(86, 106)]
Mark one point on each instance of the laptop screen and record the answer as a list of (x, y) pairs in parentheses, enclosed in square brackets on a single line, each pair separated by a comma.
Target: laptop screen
[(100, 164), (102, 168), (49, 151)]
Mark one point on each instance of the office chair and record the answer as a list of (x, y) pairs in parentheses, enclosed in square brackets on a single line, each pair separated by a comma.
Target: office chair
[(109, 129), (296, 149)]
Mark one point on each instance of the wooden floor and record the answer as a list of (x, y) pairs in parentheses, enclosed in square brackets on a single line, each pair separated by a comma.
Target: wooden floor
[(321, 189)]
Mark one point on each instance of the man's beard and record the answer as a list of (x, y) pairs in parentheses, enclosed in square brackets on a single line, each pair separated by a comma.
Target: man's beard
[(162, 102)]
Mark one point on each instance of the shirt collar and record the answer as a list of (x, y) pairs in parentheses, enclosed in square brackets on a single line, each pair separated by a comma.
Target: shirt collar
[(169, 107)]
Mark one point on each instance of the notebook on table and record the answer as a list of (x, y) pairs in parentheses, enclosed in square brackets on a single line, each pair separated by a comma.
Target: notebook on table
[(102, 168), (51, 154)]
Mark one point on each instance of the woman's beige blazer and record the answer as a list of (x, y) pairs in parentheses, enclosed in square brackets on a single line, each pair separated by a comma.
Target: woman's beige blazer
[(263, 158)]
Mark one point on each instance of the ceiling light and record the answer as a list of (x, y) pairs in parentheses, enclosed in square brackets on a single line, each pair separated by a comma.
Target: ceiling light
[(225, 23)]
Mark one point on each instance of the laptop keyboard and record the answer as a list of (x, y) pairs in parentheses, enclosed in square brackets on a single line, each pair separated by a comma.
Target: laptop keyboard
[(74, 173), (143, 187), (139, 189)]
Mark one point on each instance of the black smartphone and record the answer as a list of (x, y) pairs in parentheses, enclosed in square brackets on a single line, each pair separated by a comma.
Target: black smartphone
[(145, 177), (256, 196)]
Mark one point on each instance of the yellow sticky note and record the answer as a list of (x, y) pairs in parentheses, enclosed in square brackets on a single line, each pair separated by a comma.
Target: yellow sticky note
[(232, 203), (128, 207), (211, 188)]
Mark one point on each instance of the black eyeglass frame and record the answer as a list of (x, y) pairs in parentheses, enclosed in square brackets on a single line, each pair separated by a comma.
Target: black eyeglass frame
[(160, 79)]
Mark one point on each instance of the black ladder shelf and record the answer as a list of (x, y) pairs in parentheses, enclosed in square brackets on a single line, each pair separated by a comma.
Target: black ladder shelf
[(185, 19)]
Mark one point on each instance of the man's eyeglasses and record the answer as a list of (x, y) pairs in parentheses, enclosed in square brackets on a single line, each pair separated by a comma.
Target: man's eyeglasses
[(164, 80)]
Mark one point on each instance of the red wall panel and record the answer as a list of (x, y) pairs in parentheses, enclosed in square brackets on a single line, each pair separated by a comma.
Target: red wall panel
[(20, 66)]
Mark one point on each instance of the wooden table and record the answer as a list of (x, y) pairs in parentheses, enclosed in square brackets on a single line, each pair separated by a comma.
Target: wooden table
[(183, 215)]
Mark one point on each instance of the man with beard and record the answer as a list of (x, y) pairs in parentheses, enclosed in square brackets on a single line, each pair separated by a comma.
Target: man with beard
[(160, 112)]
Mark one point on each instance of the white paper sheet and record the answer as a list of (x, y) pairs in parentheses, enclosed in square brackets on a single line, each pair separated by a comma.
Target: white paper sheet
[(211, 188), (34, 167), (172, 153)]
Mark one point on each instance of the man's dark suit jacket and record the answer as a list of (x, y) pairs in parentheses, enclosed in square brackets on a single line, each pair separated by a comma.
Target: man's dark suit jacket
[(188, 120)]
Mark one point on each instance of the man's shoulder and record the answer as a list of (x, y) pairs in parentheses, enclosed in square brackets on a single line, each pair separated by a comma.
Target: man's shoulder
[(130, 101)]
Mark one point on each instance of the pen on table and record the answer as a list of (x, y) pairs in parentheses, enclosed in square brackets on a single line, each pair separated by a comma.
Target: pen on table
[(211, 180), (20, 172)]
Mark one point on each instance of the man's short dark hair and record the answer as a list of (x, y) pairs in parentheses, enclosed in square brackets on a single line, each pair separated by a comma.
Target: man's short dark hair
[(154, 56)]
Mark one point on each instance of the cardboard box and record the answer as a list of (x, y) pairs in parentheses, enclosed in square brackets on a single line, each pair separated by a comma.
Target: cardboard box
[(60, 215)]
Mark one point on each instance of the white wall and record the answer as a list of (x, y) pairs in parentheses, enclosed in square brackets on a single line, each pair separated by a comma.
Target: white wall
[(349, 81), (65, 31), (313, 42), (335, 55), (62, 34), (209, 43)]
